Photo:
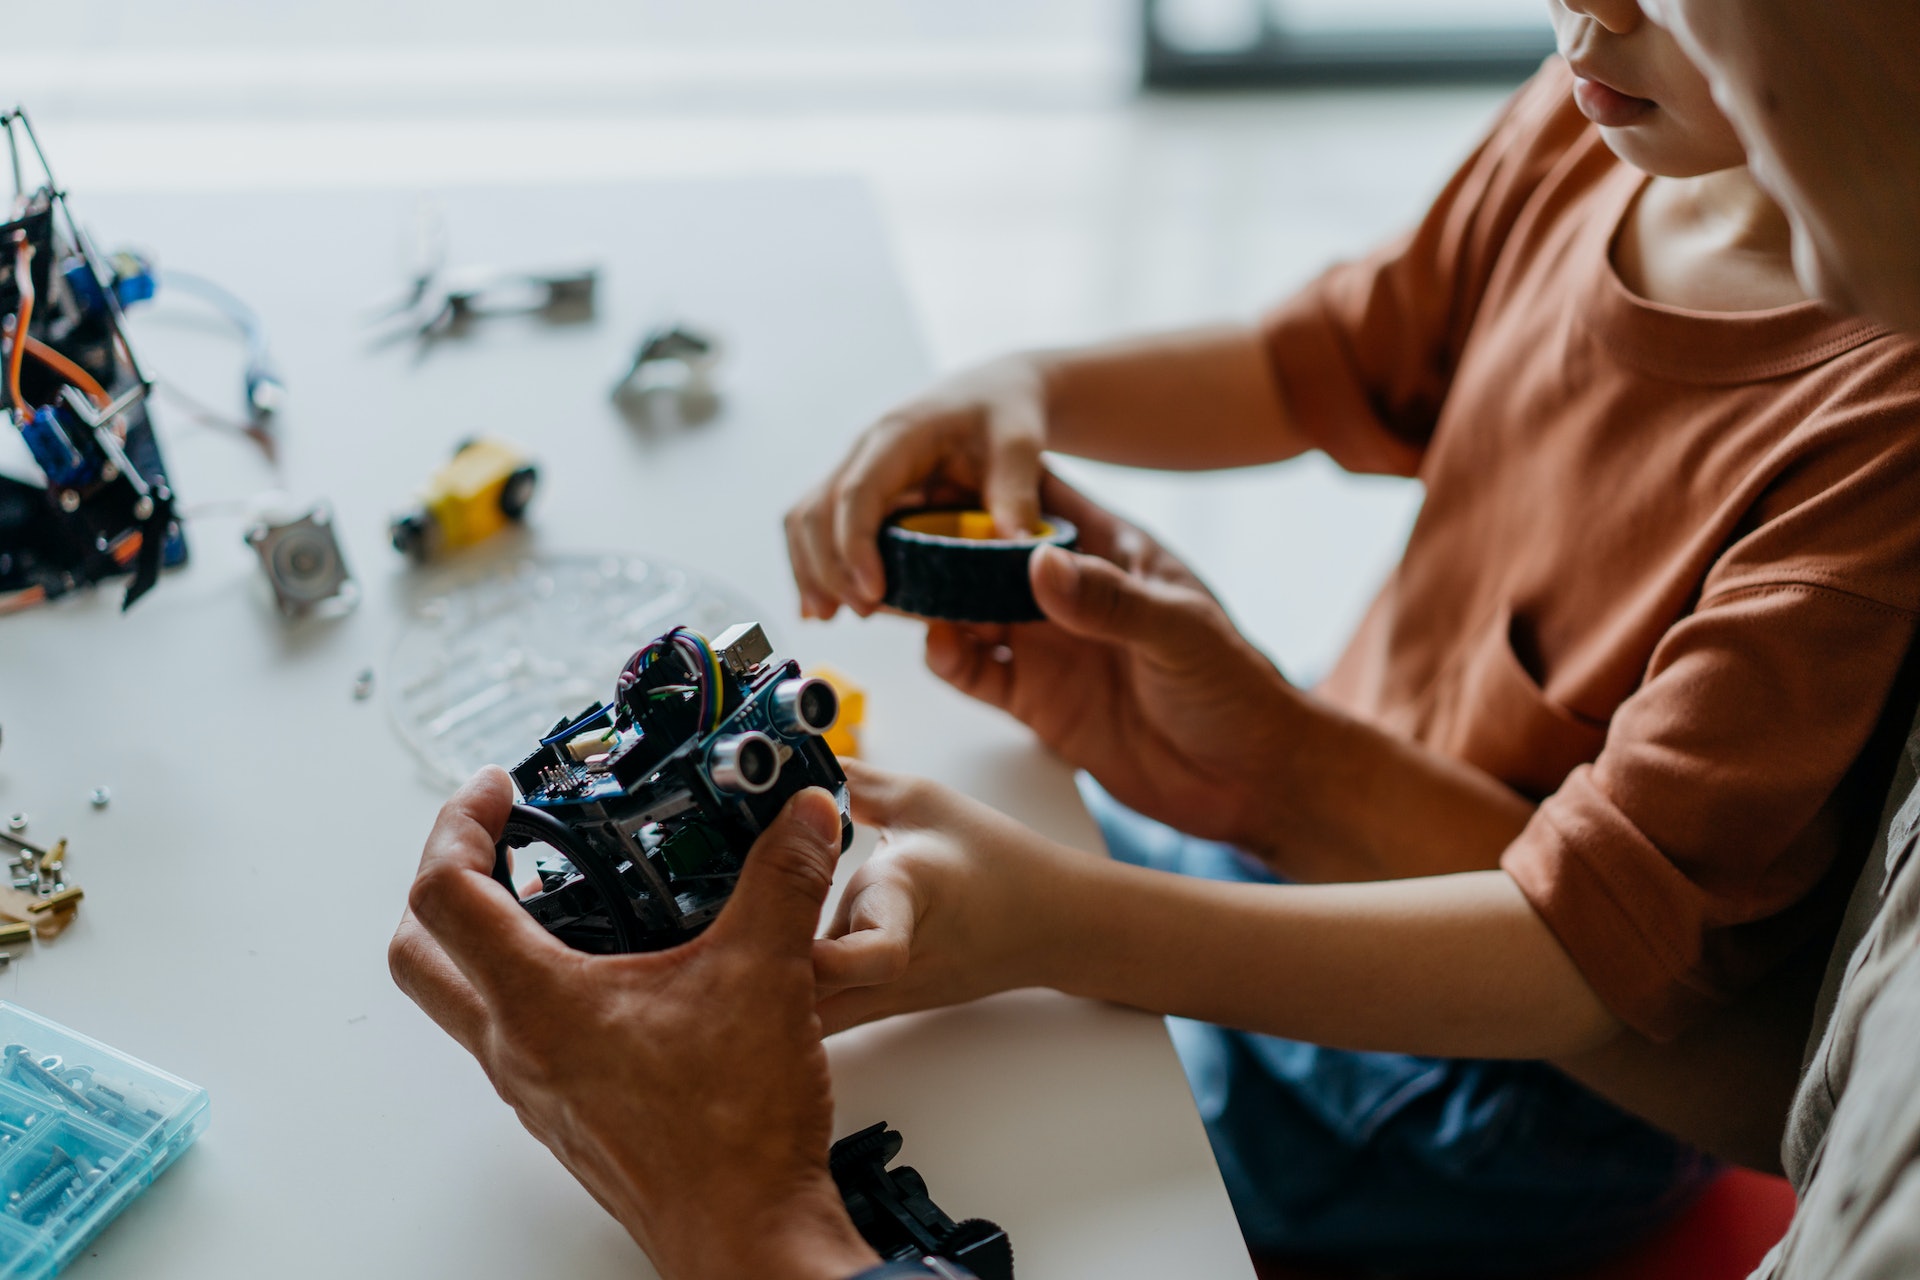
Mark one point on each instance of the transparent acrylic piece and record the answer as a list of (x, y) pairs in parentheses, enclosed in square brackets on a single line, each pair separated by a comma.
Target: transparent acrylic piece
[(490, 657)]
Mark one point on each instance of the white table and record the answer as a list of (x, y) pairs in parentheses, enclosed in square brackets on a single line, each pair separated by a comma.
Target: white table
[(264, 824)]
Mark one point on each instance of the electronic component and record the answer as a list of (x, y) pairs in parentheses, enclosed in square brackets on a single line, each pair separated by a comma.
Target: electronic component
[(303, 562), (649, 803), (441, 302), (895, 1215), (75, 392), (465, 296), (487, 486), (949, 563), (676, 357), (670, 383)]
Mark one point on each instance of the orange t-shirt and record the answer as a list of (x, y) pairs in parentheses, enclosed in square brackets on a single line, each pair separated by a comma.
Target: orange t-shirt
[(1667, 568)]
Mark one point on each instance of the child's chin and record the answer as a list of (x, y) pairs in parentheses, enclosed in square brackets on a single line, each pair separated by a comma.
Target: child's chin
[(1647, 148)]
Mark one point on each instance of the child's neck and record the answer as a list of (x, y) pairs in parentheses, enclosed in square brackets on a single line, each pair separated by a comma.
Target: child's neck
[(1712, 243)]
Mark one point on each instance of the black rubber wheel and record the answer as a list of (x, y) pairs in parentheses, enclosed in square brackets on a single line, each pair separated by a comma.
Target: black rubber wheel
[(527, 825), (516, 495), (939, 575)]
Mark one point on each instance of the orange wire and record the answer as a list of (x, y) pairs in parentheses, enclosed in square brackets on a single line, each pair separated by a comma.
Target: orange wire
[(70, 371), (23, 281), (24, 599)]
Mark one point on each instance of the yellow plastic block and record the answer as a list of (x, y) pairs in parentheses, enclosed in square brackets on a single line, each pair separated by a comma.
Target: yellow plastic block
[(844, 738), (464, 496)]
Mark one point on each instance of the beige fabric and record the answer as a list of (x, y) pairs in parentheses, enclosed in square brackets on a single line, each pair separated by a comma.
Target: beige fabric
[(1852, 1146)]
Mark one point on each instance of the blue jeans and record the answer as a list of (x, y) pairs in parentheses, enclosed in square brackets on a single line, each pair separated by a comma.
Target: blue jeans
[(1382, 1160)]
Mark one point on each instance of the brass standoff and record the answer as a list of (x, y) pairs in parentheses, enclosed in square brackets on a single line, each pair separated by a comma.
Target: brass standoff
[(68, 897)]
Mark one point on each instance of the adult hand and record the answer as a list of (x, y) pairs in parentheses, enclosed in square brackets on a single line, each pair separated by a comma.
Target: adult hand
[(954, 905), (1140, 678), (981, 432), (687, 1089)]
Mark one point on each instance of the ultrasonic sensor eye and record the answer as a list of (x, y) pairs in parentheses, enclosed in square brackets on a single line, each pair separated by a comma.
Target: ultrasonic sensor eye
[(746, 762), (804, 706)]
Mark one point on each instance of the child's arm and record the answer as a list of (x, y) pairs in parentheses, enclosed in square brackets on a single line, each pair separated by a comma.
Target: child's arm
[(1191, 400), (966, 902)]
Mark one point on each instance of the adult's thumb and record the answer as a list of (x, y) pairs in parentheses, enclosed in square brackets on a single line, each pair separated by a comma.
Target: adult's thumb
[(1099, 600), (776, 902)]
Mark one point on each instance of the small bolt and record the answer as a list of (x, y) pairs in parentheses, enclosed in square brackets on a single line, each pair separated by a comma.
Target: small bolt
[(69, 500), (143, 508), (363, 685), (21, 1201), (17, 823), (100, 798)]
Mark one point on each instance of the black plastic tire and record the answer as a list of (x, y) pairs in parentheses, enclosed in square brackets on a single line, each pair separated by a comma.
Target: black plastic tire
[(961, 579)]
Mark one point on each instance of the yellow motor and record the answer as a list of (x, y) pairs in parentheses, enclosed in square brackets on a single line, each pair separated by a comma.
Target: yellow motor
[(486, 485)]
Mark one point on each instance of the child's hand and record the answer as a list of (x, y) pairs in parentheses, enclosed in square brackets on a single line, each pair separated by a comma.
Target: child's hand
[(955, 905), (1141, 678), (980, 432)]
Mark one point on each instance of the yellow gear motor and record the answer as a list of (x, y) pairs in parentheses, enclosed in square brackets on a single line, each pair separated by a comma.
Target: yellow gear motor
[(844, 738), (486, 485)]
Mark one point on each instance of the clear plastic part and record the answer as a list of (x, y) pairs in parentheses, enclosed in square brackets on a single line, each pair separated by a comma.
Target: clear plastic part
[(490, 657), (84, 1129)]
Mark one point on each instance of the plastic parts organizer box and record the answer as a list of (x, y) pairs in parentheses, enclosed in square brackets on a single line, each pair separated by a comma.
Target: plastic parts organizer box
[(83, 1130)]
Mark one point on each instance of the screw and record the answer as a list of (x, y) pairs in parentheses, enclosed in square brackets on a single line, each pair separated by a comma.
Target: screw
[(37, 1204), (100, 798), (17, 823), (26, 1199), (69, 501), (363, 685)]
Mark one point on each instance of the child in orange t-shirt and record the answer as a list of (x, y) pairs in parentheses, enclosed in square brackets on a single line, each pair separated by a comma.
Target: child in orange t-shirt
[(1602, 736)]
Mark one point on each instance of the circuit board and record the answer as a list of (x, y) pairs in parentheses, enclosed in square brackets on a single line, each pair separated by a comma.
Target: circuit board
[(649, 804)]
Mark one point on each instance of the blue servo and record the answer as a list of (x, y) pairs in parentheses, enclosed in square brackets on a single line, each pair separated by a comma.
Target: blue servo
[(48, 440)]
